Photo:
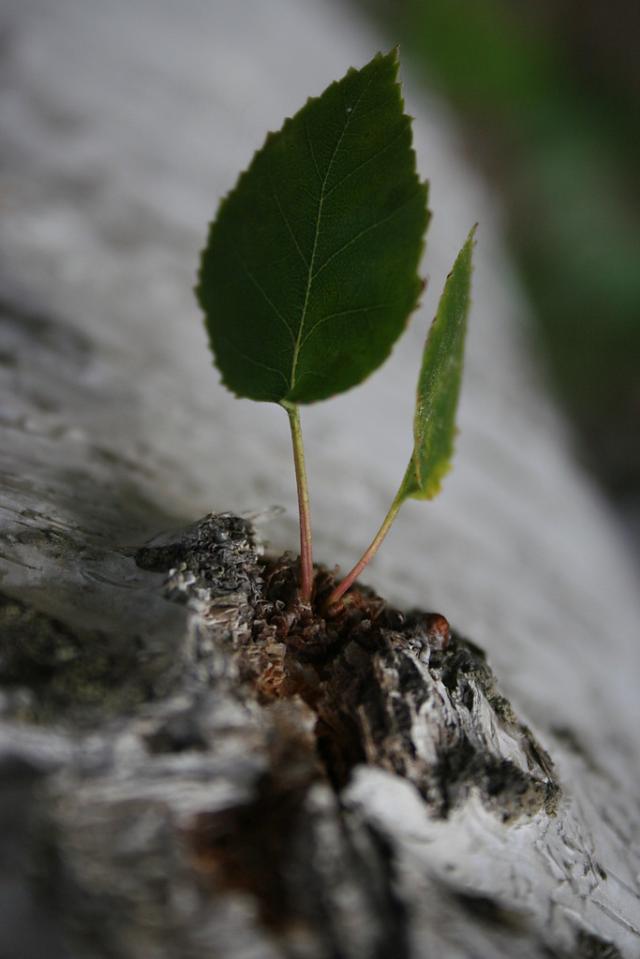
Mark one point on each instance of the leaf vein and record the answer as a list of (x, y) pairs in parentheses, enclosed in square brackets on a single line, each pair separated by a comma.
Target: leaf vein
[(321, 198), (311, 150), (288, 226), (373, 156), (268, 300), (250, 359), (333, 316), (361, 233)]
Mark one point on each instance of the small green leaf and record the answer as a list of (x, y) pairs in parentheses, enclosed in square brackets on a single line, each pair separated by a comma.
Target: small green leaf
[(309, 273), (434, 426)]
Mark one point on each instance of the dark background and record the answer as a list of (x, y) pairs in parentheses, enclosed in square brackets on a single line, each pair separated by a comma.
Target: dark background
[(549, 98)]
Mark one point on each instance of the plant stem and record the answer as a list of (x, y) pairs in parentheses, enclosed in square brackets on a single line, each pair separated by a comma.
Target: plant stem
[(368, 554), (306, 556)]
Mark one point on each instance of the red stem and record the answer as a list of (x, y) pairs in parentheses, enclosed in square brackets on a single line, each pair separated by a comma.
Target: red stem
[(368, 554)]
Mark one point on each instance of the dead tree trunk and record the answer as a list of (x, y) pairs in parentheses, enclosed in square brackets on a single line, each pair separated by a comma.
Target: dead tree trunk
[(186, 770)]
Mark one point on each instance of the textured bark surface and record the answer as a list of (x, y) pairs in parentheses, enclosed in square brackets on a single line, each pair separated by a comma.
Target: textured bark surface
[(203, 800), (178, 776)]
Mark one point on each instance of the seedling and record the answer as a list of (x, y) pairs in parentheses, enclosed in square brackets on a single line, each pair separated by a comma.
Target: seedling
[(310, 274)]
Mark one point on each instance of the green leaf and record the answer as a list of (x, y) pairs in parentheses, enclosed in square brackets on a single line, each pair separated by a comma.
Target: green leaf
[(434, 426), (309, 273)]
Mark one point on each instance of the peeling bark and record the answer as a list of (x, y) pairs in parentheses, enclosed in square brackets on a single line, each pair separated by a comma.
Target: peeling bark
[(212, 810)]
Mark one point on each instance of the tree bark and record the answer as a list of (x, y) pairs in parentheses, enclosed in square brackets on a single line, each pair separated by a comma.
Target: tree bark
[(186, 769)]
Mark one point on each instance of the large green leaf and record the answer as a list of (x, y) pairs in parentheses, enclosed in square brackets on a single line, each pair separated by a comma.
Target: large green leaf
[(309, 273), (434, 425)]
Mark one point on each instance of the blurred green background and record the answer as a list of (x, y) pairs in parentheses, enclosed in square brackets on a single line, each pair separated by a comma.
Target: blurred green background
[(549, 96)]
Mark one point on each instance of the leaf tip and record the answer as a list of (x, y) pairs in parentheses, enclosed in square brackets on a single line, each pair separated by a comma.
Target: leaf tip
[(392, 59)]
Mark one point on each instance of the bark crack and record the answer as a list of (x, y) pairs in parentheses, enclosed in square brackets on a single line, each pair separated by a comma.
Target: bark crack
[(400, 691)]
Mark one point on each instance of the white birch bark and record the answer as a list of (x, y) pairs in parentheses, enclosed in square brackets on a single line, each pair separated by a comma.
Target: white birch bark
[(123, 123)]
